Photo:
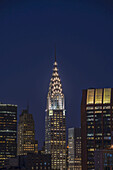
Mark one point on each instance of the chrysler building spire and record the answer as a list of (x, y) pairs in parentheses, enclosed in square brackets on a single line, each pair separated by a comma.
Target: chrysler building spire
[(55, 99), (55, 128)]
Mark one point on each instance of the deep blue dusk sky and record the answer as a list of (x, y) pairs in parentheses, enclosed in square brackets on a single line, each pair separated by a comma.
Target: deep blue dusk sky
[(83, 33)]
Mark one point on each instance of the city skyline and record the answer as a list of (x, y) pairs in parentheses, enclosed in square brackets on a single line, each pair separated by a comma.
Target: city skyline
[(83, 35)]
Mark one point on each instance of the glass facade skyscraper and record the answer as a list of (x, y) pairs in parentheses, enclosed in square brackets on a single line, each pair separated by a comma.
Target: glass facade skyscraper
[(55, 128), (74, 149), (96, 123), (8, 132)]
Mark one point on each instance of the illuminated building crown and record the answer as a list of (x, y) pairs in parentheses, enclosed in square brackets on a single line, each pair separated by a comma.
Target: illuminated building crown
[(55, 98)]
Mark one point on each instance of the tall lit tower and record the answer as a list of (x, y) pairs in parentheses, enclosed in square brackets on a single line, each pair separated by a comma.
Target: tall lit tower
[(96, 123), (55, 128), (8, 132)]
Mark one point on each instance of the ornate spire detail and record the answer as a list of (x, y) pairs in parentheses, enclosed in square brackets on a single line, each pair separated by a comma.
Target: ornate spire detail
[(55, 94)]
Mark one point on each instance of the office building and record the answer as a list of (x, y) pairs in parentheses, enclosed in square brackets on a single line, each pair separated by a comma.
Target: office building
[(55, 128), (8, 132), (96, 123), (74, 150), (103, 159), (26, 134), (38, 161), (31, 161)]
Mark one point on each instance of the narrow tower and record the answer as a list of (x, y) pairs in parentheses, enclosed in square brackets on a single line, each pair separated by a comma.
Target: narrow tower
[(55, 128)]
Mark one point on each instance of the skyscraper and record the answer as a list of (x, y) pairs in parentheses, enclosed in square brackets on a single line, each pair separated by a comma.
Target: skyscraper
[(26, 134), (55, 128), (8, 132), (74, 150), (96, 123)]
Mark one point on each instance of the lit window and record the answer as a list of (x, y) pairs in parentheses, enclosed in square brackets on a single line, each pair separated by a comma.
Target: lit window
[(98, 96), (50, 112), (90, 96), (107, 96)]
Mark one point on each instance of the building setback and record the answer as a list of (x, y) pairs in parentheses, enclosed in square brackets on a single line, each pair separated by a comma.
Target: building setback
[(26, 134), (74, 150), (96, 123), (8, 132), (55, 128)]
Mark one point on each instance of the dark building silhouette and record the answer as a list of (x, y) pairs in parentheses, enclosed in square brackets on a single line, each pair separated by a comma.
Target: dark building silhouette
[(26, 134), (43, 149), (55, 128), (96, 123), (31, 161), (8, 132), (38, 161), (74, 150)]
